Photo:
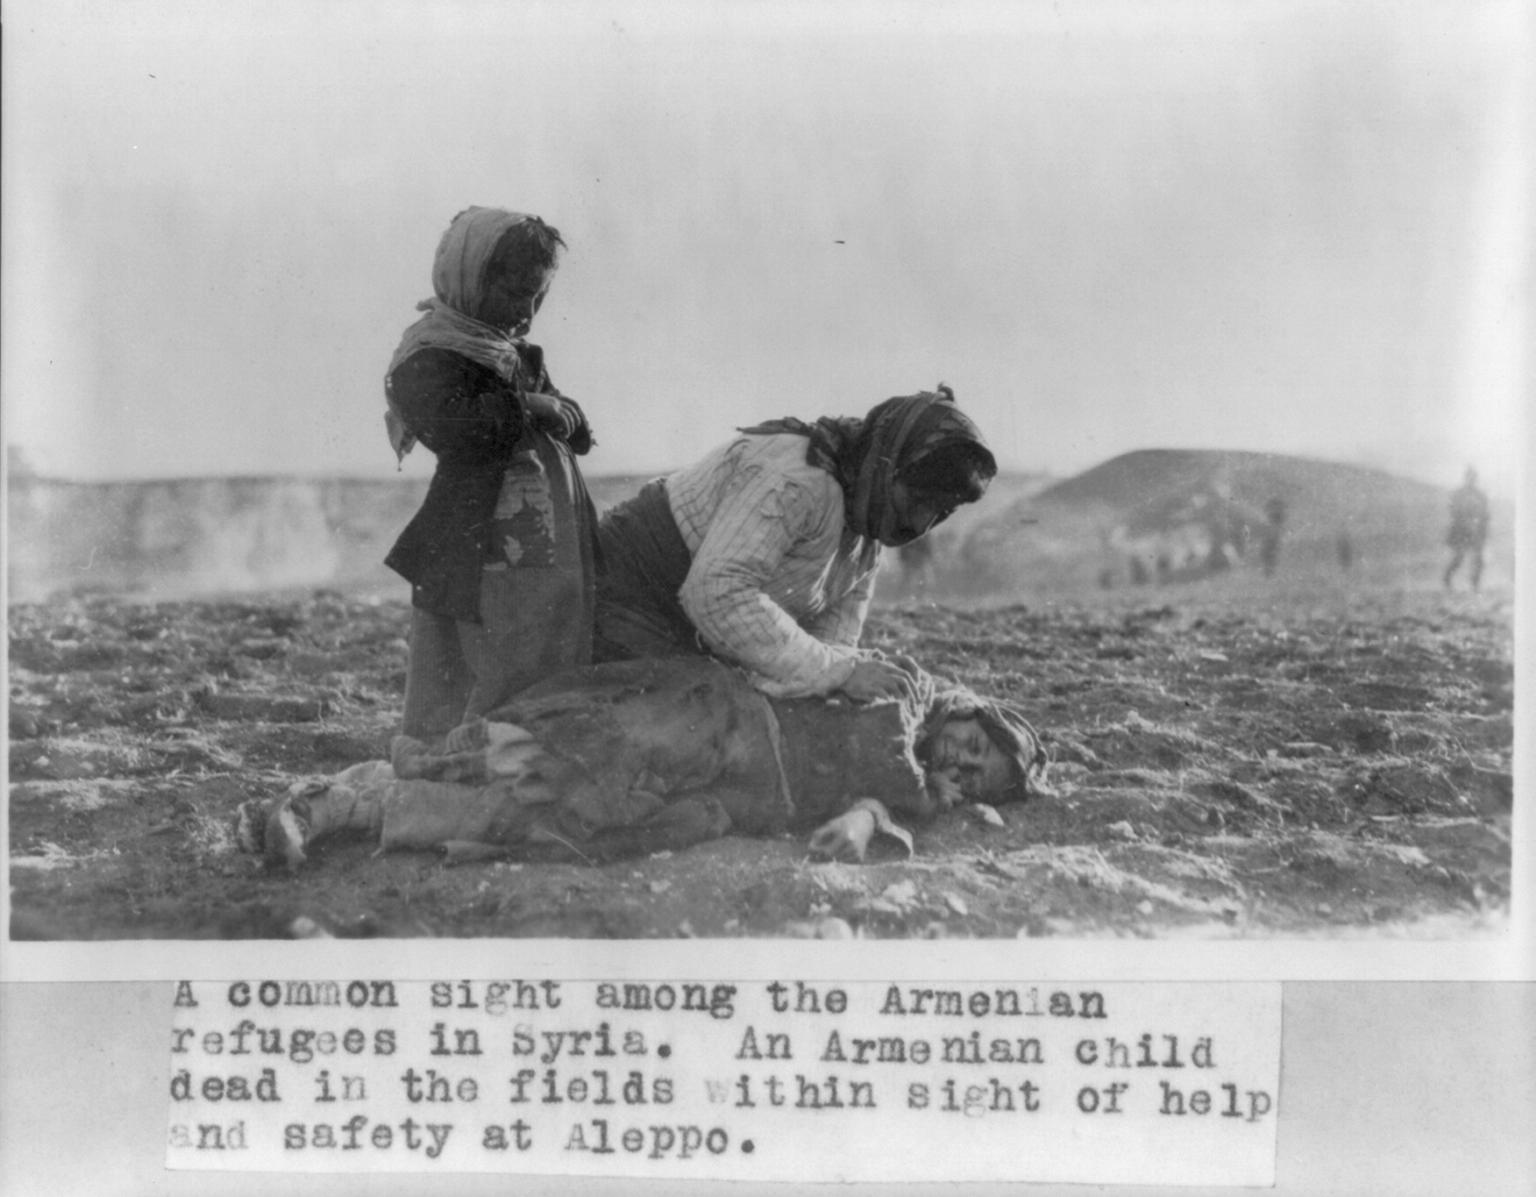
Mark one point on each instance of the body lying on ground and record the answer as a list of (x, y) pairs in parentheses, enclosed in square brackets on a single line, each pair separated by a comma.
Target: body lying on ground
[(631, 757)]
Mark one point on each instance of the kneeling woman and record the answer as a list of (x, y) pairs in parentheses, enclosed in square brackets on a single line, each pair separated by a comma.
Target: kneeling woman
[(631, 757)]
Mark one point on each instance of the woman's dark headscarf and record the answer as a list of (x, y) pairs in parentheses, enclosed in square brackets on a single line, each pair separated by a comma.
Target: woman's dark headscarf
[(867, 455)]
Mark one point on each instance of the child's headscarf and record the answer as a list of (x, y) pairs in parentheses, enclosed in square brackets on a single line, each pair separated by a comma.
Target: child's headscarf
[(1005, 726), (458, 284), (865, 456)]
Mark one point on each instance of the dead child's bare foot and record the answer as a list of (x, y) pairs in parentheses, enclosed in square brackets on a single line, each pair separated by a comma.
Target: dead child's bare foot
[(277, 829)]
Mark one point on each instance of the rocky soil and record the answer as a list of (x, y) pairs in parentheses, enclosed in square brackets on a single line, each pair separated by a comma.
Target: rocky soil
[(1234, 759)]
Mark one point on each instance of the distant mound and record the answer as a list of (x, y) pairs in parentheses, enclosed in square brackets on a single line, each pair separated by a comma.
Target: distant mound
[(1149, 482), (1177, 515), (186, 536)]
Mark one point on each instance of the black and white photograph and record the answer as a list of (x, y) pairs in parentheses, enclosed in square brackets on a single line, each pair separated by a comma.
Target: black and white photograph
[(899, 472), (723, 478)]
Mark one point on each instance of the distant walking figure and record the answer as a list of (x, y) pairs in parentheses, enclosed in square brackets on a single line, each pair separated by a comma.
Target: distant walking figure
[(1345, 548), (1269, 534), (1469, 529)]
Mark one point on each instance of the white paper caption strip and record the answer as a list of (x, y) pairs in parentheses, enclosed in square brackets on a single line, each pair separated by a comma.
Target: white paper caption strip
[(1135, 1083)]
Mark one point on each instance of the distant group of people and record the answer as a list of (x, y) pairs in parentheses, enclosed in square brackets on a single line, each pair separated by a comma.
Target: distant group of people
[(1227, 535), (640, 678), (1207, 535)]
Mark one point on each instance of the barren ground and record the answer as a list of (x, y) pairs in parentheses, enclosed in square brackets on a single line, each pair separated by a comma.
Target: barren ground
[(1232, 760)]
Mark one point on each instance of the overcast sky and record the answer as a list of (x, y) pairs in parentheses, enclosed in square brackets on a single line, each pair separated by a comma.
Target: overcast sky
[(1286, 226)]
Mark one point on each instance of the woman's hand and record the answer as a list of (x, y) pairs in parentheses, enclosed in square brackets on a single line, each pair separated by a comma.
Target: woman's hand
[(845, 837), (873, 679)]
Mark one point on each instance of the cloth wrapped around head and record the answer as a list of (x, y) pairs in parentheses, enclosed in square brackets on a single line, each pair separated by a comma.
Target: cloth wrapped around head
[(924, 439), (1004, 725), (453, 317)]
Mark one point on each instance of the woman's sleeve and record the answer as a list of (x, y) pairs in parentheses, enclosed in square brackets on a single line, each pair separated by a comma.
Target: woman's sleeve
[(459, 410), (725, 594), (843, 621)]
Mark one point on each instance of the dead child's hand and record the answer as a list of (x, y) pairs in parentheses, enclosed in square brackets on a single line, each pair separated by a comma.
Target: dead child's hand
[(845, 837), (944, 790)]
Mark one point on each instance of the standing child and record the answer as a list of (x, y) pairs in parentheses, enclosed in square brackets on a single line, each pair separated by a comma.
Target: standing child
[(500, 556)]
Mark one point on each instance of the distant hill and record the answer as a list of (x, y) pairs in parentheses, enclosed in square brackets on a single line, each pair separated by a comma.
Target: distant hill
[(179, 536), (1180, 514), (1146, 480), (1031, 534)]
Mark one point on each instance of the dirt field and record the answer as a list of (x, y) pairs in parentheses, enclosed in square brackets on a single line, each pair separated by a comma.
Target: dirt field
[(1232, 759)]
